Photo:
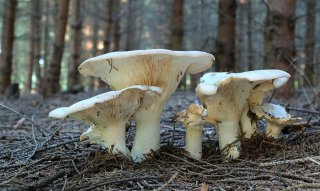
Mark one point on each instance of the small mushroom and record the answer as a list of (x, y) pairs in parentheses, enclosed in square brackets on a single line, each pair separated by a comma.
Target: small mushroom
[(155, 67), (226, 95), (276, 115), (269, 80), (107, 115), (193, 120)]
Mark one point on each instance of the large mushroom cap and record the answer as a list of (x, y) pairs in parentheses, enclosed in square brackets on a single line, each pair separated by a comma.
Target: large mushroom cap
[(155, 67), (114, 104), (196, 61), (209, 81)]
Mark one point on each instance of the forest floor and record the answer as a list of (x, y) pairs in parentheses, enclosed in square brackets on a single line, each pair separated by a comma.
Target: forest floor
[(39, 153)]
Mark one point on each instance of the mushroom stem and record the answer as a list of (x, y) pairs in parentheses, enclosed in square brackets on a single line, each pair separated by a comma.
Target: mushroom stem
[(228, 144), (111, 136), (194, 141), (248, 125), (147, 133), (273, 130)]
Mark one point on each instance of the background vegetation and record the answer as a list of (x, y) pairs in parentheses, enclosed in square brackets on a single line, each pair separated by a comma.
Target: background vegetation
[(44, 41)]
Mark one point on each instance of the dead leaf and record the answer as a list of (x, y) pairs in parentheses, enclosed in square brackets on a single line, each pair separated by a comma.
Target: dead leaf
[(204, 187), (20, 123)]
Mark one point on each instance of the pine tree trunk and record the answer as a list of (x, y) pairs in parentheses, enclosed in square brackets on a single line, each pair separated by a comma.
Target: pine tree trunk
[(250, 50), (129, 31), (76, 27), (94, 52), (116, 25), (279, 41), (53, 76), (177, 25), (226, 39), (200, 30), (9, 14), (177, 32), (107, 35), (34, 46), (310, 41), (46, 47), (240, 64), (108, 27)]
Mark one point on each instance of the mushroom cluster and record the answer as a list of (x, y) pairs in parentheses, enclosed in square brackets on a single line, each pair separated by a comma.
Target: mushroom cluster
[(143, 81), (234, 103), (107, 115), (159, 71)]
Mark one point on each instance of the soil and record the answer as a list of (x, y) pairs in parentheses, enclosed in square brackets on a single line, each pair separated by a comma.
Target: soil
[(39, 153)]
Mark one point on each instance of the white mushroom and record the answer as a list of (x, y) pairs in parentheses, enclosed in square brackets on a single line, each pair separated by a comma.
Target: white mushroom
[(193, 120), (276, 115), (273, 79), (158, 67), (226, 95), (107, 114)]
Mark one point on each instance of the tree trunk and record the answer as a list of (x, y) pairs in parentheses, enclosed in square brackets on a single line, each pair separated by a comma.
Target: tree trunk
[(240, 64), (108, 27), (107, 34), (34, 46), (9, 14), (200, 30), (76, 27), (310, 41), (177, 25), (129, 31), (279, 41), (53, 77), (250, 50), (177, 32), (116, 25), (94, 52), (225, 43), (139, 23), (46, 46)]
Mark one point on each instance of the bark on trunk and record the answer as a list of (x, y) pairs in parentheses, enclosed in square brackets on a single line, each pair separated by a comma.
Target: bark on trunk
[(108, 27), (279, 41), (177, 32), (107, 36), (9, 14), (76, 27), (129, 31), (53, 77), (250, 50), (240, 64), (46, 46), (116, 25), (225, 43), (94, 52), (177, 25), (310, 42), (34, 47)]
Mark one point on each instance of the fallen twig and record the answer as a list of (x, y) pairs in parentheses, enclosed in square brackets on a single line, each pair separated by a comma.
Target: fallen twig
[(310, 185), (27, 118), (300, 160), (303, 110), (168, 182), (104, 182), (184, 160)]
